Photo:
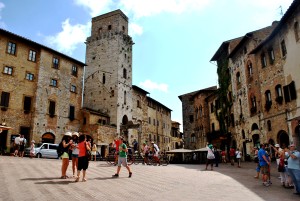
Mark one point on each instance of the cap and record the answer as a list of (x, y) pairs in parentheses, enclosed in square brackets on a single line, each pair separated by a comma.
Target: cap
[(75, 133), (277, 145), (33, 141), (68, 134), (152, 142)]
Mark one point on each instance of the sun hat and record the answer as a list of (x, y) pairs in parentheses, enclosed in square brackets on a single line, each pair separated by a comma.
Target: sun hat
[(33, 141), (277, 145), (68, 134), (75, 133)]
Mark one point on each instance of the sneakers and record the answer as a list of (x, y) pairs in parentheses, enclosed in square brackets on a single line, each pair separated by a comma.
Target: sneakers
[(115, 175), (130, 174)]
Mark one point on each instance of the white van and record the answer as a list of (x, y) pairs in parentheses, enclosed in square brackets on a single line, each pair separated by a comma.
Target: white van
[(46, 150)]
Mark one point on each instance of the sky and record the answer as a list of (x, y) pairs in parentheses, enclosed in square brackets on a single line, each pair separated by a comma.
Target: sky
[(174, 39)]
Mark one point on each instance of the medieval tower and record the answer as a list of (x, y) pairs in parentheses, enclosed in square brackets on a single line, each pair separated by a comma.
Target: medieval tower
[(108, 74)]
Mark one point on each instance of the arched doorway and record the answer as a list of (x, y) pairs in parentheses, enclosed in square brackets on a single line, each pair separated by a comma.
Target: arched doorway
[(283, 139), (3, 140), (125, 131), (48, 138), (255, 140)]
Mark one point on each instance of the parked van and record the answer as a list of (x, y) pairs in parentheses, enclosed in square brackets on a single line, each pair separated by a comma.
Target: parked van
[(46, 150)]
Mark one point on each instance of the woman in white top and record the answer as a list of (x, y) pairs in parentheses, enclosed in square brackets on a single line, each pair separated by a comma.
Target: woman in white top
[(238, 156), (75, 152)]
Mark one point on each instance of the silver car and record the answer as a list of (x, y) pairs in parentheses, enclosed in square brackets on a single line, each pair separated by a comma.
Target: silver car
[(46, 150)]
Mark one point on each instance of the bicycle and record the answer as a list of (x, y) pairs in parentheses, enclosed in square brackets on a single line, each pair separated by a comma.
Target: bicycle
[(111, 158)]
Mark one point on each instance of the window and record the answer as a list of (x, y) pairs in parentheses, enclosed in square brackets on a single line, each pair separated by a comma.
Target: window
[(27, 104), (191, 118), (269, 125), (296, 30), (149, 120), (55, 62), (109, 27), (103, 78), (238, 78), (32, 55), (213, 127), (123, 28), (201, 111), (263, 60), (268, 100), (283, 48), (74, 70), (124, 73), (52, 108), (250, 70), (11, 48), (271, 55), (253, 108), (125, 98), (211, 107), (290, 92), (196, 113), (4, 99), (29, 76), (138, 103), (279, 97), (53, 83), (73, 88), (72, 113), (8, 70), (153, 122)]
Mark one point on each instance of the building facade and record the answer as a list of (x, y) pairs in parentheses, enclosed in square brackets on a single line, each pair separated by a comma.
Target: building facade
[(40, 91)]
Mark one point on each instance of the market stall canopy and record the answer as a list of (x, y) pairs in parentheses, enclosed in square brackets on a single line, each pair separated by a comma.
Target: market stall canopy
[(179, 151), (203, 149), (5, 127)]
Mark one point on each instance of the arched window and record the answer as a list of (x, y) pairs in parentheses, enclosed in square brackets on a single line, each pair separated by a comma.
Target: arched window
[(193, 138), (296, 30), (200, 111), (196, 112), (243, 134), (279, 97)]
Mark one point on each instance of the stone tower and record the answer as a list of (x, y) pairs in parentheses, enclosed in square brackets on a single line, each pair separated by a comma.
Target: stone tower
[(108, 75)]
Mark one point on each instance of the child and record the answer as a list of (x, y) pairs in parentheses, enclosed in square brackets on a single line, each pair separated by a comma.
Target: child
[(32, 150)]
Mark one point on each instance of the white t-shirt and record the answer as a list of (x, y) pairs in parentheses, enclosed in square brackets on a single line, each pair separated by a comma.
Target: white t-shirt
[(156, 149), (17, 140), (238, 154)]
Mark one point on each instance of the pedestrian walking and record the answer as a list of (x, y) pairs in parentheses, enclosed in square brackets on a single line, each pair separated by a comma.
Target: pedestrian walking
[(210, 157), (217, 156), (32, 149), (294, 167), (232, 155), (238, 155), (122, 159), (17, 145), (223, 154), (83, 161), (94, 151)]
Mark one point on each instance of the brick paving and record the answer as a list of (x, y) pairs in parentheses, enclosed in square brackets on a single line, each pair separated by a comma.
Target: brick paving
[(25, 179)]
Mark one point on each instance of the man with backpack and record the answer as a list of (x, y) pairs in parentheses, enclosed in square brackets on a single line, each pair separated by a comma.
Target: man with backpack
[(155, 152)]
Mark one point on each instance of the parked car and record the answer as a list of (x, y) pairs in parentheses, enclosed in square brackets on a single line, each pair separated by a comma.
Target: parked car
[(45, 150)]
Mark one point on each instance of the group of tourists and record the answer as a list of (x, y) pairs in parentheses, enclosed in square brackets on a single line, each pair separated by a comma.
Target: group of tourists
[(288, 165), (19, 145)]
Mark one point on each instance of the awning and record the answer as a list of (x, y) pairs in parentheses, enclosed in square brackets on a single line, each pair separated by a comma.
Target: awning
[(2, 128), (203, 149), (179, 151)]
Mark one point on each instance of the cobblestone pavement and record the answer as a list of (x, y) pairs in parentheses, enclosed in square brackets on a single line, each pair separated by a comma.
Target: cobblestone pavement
[(25, 179)]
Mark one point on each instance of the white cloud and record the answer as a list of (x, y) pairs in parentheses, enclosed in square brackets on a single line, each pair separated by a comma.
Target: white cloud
[(95, 7), (135, 29), (2, 24), (149, 85), (70, 36)]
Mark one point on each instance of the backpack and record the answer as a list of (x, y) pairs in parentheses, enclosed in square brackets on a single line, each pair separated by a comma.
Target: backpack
[(60, 149)]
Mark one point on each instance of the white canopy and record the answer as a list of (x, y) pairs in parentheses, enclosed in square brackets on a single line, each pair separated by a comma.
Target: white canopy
[(203, 149), (179, 151)]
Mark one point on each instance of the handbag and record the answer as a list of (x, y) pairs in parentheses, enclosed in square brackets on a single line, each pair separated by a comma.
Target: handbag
[(88, 153)]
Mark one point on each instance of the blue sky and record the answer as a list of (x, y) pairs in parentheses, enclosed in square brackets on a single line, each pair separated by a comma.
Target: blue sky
[(174, 39)]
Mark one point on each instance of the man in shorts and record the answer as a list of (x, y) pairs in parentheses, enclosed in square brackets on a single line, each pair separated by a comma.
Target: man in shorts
[(122, 159), (264, 164)]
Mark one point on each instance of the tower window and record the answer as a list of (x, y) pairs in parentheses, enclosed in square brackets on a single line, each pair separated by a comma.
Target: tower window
[(124, 73), (103, 78), (283, 48), (109, 27)]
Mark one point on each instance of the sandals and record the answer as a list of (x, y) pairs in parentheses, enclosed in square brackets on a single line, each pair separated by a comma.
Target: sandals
[(77, 179), (64, 177)]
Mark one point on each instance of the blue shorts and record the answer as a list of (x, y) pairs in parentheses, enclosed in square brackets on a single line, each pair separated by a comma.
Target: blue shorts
[(74, 155)]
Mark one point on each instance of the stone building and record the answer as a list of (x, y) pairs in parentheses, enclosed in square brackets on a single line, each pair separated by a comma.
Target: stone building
[(108, 89), (195, 115), (177, 140), (278, 65), (246, 90), (40, 90)]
